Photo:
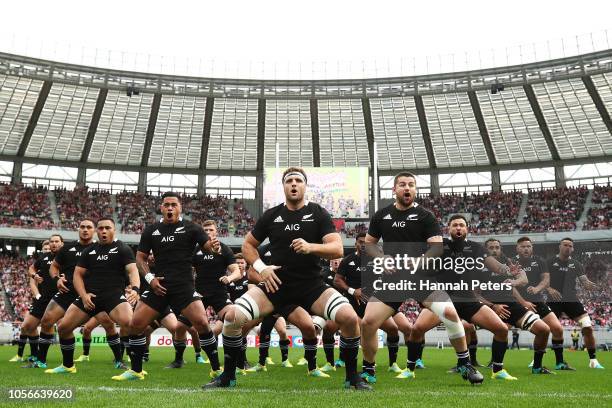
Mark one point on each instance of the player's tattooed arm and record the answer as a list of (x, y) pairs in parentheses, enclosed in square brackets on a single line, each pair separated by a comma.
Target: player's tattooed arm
[(33, 282), (142, 263), (132, 273), (586, 282)]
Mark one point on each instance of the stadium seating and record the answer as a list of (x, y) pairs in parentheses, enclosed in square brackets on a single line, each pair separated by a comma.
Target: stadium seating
[(24, 207), (600, 213), (554, 209), (71, 205)]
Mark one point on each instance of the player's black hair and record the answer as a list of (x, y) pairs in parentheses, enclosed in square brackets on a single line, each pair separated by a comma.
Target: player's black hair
[(57, 235), (457, 217), (523, 239), (87, 219), (106, 219), (492, 240), (171, 194), (294, 170), (566, 239), (403, 174)]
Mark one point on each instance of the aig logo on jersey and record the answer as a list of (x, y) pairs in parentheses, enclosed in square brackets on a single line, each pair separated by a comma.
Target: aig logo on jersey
[(292, 227), (167, 238), (399, 224)]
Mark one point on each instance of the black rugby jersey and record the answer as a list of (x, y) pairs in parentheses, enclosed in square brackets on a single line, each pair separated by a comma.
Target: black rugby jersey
[(105, 264), (173, 246), (67, 258), (563, 275), (281, 226), (350, 268), (404, 231), (47, 288), (210, 267), (534, 267), (497, 296), (462, 262), (237, 289)]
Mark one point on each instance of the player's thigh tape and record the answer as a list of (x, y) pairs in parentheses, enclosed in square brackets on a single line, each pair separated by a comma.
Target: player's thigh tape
[(334, 303), (529, 319), (585, 322), (454, 329), (248, 306), (319, 322)]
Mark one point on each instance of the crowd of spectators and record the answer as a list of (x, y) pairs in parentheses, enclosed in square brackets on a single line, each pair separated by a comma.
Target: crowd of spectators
[(13, 270), (135, 210), (488, 213), (72, 205), (25, 207), (600, 213), (243, 220), (555, 209)]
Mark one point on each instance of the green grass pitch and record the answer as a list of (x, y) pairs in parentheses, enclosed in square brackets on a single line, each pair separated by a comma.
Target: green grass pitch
[(290, 387)]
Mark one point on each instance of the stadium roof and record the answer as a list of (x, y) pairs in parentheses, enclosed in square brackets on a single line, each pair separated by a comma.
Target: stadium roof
[(532, 115)]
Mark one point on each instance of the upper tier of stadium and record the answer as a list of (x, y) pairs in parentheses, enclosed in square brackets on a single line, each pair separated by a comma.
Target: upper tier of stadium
[(549, 113)]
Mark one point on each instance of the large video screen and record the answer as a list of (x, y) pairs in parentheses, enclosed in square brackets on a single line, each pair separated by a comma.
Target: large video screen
[(342, 191)]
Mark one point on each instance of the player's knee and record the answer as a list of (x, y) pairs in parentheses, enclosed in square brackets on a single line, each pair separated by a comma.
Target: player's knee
[(346, 317), (500, 331), (556, 329), (46, 324), (539, 328), (451, 314), (64, 329), (234, 320)]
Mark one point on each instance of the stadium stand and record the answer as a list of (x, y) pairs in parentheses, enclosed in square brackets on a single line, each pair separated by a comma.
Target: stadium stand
[(72, 205), (554, 209), (24, 207), (600, 213)]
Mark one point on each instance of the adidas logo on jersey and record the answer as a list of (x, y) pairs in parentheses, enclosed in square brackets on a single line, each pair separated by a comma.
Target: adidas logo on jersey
[(279, 219), (73, 249), (352, 263), (200, 253), (268, 253), (92, 252), (122, 297), (196, 294), (387, 217), (156, 232)]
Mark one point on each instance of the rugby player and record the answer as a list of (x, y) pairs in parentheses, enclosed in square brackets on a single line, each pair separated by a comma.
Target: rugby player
[(512, 312), (462, 263), (348, 280), (99, 280), (43, 289), (562, 298), (300, 233), (532, 296), (407, 229), (172, 241)]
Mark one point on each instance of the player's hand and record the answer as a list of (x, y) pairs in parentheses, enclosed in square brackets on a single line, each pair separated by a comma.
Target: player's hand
[(215, 245), (157, 287), (515, 268), (37, 278), (392, 270), (529, 306), (300, 246), (131, 296), (501, 310), (269, 278), (87, 301), (532, 290), (554, 294), (61, 284), (358, 295), (225, 280)]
